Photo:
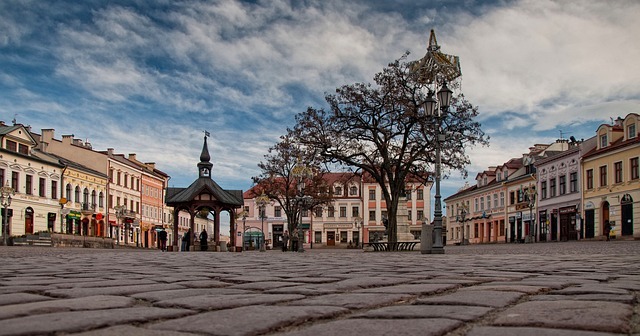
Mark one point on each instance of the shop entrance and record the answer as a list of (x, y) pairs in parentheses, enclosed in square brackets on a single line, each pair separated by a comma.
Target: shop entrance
[(331, 238)]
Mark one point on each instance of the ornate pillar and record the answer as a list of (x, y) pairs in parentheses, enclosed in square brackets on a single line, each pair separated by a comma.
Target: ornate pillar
[(216, 226)]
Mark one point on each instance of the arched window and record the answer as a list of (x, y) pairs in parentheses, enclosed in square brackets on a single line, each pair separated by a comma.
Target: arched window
[(85, 196), (101, 200), (77, 199), (93, 197), (68, 192)]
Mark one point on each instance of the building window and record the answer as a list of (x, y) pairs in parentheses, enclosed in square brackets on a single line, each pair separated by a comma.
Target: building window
[(331, 211), (603, 141), (23, 149), (495, 201), (420, 215), (77, 194), (111, 175), (631, 131), (372, 215), (305, 213), (93, 198), (476, 209), (126, 178), (603, 176), (372, 194), (337, 191), (520, 195), (29, 185), (512, 198), (488, 202), (14, 180), (506, 174), (42, 187), (68, 192), (407, 194), (133, 179), (101, 200), (420, 195), (635, 171), (573, 182), (11, 145), (563, 184), (343, 211), (277, 211), (410, 215), (85, 196), (318, 212), (355, 211), (119, 178), (590, 179), (343, 236), (475, 230), (617, 168), (543, 189), (353, 191), (54, 189), (552, 187), (1, 177), (502, 199)]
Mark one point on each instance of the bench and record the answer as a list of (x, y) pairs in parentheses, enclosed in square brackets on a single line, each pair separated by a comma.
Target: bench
[(397, 246)]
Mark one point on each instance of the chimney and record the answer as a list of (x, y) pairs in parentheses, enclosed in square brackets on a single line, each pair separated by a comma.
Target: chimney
[(47, 134), (151, 165), (78, 142), (67, 139), (110, 151), (132, 156)]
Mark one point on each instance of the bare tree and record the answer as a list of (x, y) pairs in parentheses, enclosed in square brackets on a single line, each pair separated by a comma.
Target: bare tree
[(383, 131), (279, 182)]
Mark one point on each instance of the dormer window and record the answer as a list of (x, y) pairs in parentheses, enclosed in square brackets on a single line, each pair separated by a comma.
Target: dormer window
[(353, 191), (337, 191), (506, 174), (603, 141), (631, 131)]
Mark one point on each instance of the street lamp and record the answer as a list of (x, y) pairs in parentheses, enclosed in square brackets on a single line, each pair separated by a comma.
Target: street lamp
[(6, 193), (119, 215), (244, 229), (262, 201), (444, 99), (359, 224), (462, 216), (530, 193)]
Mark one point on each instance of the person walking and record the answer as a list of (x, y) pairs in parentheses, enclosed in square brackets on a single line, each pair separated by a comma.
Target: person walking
[(162, 236), (607, 229), (294, 241), (186, 240), (285, 241), (203, 240)]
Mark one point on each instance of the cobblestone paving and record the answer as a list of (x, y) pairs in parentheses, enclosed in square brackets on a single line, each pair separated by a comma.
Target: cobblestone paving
[(555, 289)]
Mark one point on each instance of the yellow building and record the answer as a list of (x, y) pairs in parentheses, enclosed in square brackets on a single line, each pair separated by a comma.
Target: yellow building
[(611, 180)]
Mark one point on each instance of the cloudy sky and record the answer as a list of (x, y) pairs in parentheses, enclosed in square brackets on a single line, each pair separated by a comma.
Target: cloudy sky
[(148, 77)]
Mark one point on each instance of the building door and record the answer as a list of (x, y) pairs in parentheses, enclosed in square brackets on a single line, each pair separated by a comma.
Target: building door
[(28, 221), (554, 227), (519, 230), (277, 236), (512, 225), (589, 223), (565, 222), (331, 238), (605, 216), (627, 215)]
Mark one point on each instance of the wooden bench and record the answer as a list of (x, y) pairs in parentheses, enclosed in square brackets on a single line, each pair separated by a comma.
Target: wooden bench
[(388, 247)]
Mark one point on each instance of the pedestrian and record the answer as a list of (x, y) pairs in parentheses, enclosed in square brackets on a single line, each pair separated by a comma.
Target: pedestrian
[(294, 241), (186, 240), (203, 240), (607, 229), (285, 241), (162, 236)]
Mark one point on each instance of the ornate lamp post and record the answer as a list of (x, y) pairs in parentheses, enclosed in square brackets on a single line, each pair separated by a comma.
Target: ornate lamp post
[(444, 99), (244, 229), (6, 193), (531, 194), (262, 201), (462, 217), (302, 172), (359, 224)]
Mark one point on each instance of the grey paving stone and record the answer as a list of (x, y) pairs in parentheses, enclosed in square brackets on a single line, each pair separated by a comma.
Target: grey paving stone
[(410, 289), (381, 327), (131, 330), (591, 289), (488, 298), (311, 279), (209, 302), (264, 285), (627, 298), (583, 315), (525, 331), (13, 298), (351, 300), (50, 306), (508, 288), (118, 290), (463, 313), (83, 320), (247, 320), (200, 283), (186, 292)]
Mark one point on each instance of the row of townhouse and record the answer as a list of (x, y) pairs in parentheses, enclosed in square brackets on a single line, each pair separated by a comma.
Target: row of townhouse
[(65, 186), (355, 215), (568, 190)]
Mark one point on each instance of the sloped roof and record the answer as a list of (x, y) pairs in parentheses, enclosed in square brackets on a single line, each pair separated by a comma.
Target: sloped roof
[(181, 195)]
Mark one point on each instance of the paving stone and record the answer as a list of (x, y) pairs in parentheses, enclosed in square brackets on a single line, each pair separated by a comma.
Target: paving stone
[(488, 298), (13, 298), (201, 283), (83, 320), (524, 331), (351, 300), (131, 330), (508, 288), (208, 302), (81, 283), (627, 298), (187, 292), (119, 290), (311, 279), (247, 320), (382, 327), (410, 289), (264, 285), (463, 313), (583, 315), (50, 306), (591, 289)]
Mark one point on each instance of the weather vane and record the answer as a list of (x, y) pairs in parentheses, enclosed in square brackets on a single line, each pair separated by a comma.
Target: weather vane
[(206, 133)]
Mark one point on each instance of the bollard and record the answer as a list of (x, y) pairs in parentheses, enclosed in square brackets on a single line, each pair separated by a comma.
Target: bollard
[(426, 239)]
